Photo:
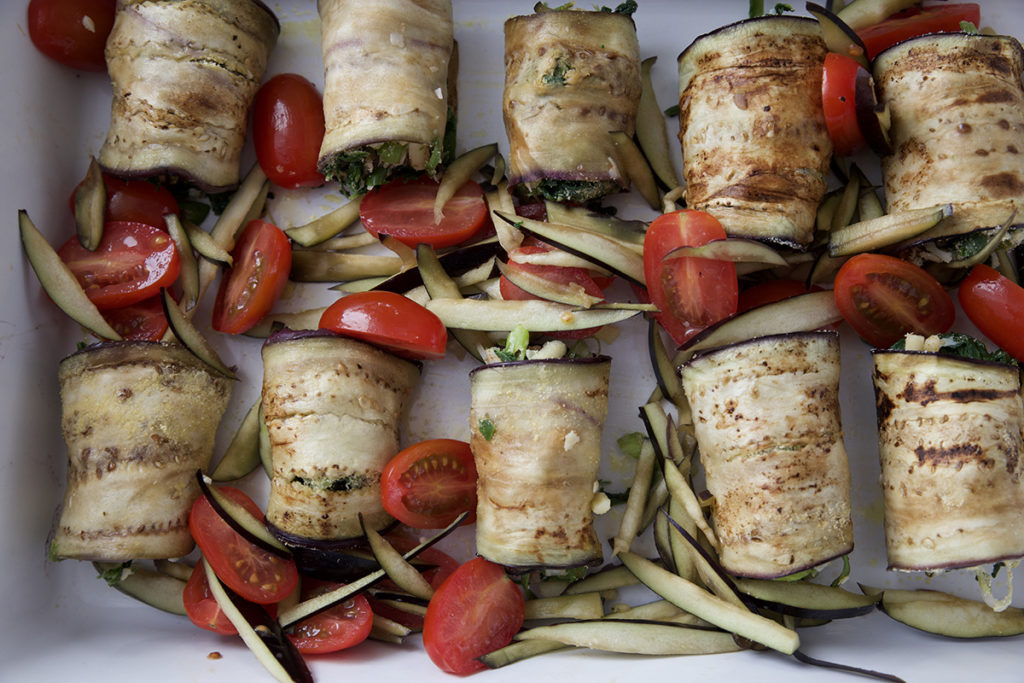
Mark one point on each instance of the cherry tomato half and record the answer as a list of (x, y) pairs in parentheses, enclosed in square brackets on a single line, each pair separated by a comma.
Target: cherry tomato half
[(477, 610), (255, 574), (288, 129), (690, 293), (884, 298), (558, 274), (143, 321), (771, 291), (337, 628), (262, 260), (202, 608), (73, 32), (995, 303), (141, 201), (916, 22), (133, 262), (389, 320), (838, 101), (430, 483), (404, 209)]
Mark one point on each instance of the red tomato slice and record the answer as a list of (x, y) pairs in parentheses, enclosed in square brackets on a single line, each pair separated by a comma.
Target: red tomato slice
[(255, 574), (475, 611), (140, 201), (202, 608), (337, 628), (248, 290), (838, 87), (994, 304), (691, 293), (73, 32), (429, 484), (559, 274), (143, 321), (133, 262), (916, 22), (771, 291), (884, 298), (389, 320), (404, 209), (288, 129)]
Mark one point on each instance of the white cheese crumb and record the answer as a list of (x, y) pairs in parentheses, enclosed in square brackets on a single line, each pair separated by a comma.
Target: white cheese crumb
[(571, 439), (600, 503), (440, 95), (397, 39)]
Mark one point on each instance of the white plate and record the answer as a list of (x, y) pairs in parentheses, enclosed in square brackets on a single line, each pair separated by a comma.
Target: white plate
[(64, 624)]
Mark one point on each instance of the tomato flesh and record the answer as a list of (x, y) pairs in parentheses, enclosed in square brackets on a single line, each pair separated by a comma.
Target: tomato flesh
[(255, 574), (838, 102), (133, 262), (690, 293), (262, 260), (883, 298), (390, 321), (477, 610), (771, 291), (404, 209), (994, 303), (140, 201), (337, 628), (72, 32), (202, 608), (142, 321), (916, 22), (430, 483), (288, 129)]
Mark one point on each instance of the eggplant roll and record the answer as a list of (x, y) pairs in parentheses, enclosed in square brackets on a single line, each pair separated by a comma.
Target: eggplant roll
[(536, 441), (951, 439), (386, 87), (331, 406), (139, 419), (184, 73), (571, 78), (755, 147), (767, 422), (957, 107)]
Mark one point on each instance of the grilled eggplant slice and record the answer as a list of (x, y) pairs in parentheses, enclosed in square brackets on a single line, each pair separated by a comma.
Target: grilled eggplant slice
[(755, 147), (386, 88), (332, 407), (957, 109), (951, 439), (571, 78), (139, 418), (184, 73), (781, 482), (536, 439)]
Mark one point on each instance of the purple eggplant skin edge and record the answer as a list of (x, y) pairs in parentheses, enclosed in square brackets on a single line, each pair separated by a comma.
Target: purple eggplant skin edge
[(760, 340), (735, 24), (590, 360), (286, 334)]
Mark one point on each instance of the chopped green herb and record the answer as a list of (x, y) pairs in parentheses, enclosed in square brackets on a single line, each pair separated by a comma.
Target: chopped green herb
[(672, 111), (352, 482), (631, 443), (616, 498), (782, 8), (843, 574), (391, 153), (515, 346), (626, 8), (114, 575), (557, 74), (996, 567), (486, 428), (966, 346), (968, 27), (968, 245), (573, 191)]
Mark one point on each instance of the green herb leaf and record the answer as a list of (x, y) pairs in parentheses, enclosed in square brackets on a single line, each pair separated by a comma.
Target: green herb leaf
[(965, 346), (672, 111), (113, 575), (968, 27), (782, 8), (631, 443), (486, 428)]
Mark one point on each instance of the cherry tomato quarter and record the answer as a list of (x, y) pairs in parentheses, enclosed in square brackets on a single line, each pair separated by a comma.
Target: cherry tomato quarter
[(262, 260), (995, 304), (255, 574), (942, 18), (477, 610), (72, 32), (132, 263), (429, 484), (202, 608), (883, 298), (288, 129), (141, 321), (337, 628), (838, 102), (404, 209), (690, 293), (390, 321)]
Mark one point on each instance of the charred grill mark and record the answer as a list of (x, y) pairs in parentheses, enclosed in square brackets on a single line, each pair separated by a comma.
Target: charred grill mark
[(926, 394), (117, 531), (955, 456), (1003, 185)]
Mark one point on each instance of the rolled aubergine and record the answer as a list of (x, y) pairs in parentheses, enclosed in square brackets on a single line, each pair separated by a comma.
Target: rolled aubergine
[(571, 79), (386, 88), (184, 73), (536, 441), (951, 439), (767, 422), (956, 102), (755, 147), (139, 419), (331, 407)]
